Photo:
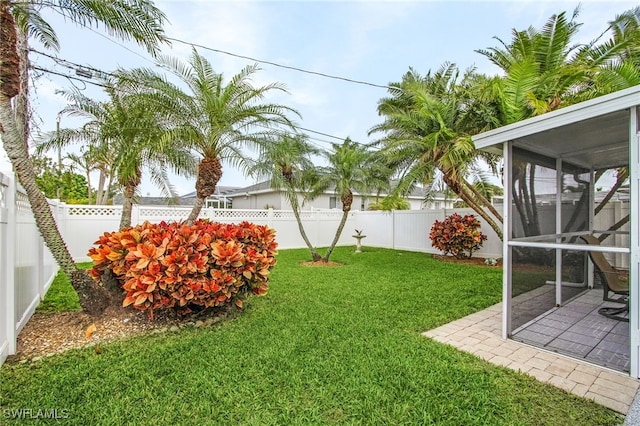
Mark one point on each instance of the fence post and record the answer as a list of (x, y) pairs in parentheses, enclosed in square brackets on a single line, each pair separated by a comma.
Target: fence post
[(10, 266), (393, 229), (40, 264), (270, 217)]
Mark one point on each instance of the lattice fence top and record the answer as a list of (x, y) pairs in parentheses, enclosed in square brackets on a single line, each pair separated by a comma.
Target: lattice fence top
[(93, 210), (22, 202), (3, 195), (236, 214), (164, 213), (282, 214)]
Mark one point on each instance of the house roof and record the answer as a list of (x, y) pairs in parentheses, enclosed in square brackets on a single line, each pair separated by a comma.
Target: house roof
[(265, 187), (593, 133), (220, 190)]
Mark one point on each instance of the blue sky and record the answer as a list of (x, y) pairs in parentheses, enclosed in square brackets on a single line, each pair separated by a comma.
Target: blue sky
[(369, 41)]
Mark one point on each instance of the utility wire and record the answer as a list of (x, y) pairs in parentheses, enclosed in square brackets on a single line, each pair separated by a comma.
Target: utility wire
[(73, 66), (35, 67), (275, 64)]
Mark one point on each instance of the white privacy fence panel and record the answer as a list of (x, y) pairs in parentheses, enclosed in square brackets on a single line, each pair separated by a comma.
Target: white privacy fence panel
[(377, 227), (82, 225), (610, 214), (409, 230), (27, 268), (7, 236)]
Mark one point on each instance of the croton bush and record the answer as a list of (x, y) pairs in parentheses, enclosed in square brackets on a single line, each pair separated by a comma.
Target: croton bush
[(458, 235), (180, 267)]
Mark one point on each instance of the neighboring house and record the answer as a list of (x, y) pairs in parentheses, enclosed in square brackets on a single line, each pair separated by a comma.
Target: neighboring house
[(261, 196), (218, 200), (621, 195)]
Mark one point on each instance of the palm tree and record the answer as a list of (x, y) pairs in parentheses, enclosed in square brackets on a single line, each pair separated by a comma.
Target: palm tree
[(286, 162), (349, 168), (425, 138), (130, 129), (139, 20), (215, 119), (545, 70)]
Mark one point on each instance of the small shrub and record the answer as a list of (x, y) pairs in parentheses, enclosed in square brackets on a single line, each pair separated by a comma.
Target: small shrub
[(457, 235), (180, 267)]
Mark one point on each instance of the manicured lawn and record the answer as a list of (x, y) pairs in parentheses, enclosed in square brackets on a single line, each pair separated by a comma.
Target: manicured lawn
[(335, 345)]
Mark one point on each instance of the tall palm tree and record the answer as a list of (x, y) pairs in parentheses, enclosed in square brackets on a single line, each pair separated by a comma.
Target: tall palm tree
[(139, 20), (214, 119), (424, 137), (349, 168), (286, 162), (546, 70)]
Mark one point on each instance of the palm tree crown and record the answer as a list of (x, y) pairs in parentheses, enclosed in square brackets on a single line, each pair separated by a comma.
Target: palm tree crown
[(214, 119)]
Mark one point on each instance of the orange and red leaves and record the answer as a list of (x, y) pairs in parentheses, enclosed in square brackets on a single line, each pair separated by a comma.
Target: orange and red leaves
[(174, 266), (457, 235)]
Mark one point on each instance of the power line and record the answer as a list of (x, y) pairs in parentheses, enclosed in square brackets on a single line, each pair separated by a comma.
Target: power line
[(275, 64), (35, 67), (262, 61), (100, 73)]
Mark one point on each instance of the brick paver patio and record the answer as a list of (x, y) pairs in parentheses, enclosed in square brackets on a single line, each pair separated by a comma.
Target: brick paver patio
[(480, 334)]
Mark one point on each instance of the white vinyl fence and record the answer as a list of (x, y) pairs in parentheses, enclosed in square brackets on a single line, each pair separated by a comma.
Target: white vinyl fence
[(27, 268)]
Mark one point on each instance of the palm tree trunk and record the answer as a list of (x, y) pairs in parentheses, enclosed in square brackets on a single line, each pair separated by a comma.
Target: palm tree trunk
[(457, 188), (614, 227), (195, 211), (88, 187), (209, 173), (483, 200), (93, 298), (127, 206), (296, 212), (343, 221), (534, 202), (107, 191), (622, 176), (100, 188)]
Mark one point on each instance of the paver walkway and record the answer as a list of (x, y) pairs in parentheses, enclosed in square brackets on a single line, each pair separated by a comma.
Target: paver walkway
[(480, 334)]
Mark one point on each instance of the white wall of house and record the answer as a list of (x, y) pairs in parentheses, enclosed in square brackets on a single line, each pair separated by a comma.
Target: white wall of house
[(328, 200)]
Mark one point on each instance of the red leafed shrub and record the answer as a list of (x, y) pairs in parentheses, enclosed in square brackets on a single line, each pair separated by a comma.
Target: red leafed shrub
[(175, 266), (457, 235)]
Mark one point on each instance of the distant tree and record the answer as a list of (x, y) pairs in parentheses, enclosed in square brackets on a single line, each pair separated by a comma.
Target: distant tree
[(59, 182), (391, 203)]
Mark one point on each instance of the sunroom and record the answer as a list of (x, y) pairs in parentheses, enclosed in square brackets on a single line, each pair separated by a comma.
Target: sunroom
[(572, 188)]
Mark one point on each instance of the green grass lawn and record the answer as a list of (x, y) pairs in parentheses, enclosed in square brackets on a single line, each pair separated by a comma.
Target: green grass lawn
[(335, 345), (61, 297)]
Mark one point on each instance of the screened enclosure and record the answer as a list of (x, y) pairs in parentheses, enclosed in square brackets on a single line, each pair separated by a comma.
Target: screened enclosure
[(570, 249)]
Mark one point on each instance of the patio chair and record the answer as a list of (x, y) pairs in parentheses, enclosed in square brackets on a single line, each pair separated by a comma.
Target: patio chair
[(610, 283)]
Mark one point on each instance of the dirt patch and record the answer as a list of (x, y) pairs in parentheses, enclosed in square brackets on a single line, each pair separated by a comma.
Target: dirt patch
[(478, 261), (322, 264), (47, 334)]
